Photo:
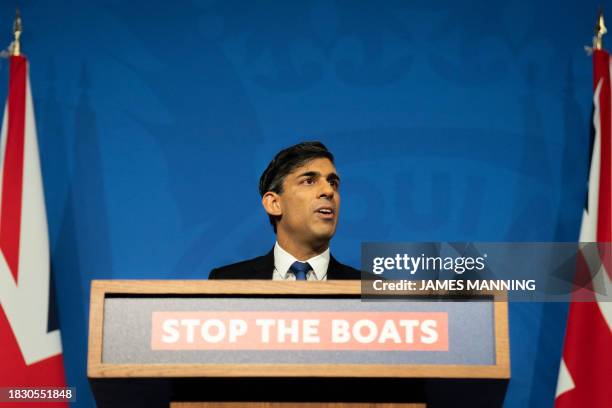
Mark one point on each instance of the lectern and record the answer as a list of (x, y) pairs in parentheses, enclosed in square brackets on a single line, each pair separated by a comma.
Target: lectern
[(291, 344)]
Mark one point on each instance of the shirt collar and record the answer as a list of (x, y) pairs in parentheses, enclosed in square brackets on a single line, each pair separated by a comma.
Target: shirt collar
[(283, 261)]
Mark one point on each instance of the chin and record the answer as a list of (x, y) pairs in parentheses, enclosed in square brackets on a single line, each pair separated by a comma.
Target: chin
[(324, 235)]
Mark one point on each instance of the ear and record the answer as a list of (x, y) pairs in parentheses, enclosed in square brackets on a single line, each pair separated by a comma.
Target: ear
[(271, 203)]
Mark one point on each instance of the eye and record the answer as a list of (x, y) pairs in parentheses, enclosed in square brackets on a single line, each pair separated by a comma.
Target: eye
[(334, 183), (308, 180)]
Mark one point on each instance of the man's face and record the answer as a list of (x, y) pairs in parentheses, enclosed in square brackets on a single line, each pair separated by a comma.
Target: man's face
[(310, 202)]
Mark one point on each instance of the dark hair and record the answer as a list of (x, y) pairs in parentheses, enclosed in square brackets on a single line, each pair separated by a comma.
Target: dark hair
[(285, 162)]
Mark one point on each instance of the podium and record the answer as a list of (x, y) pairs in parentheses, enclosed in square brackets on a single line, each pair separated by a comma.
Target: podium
[(290, 344)]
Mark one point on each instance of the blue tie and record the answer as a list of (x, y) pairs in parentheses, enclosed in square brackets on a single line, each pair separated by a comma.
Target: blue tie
[(300, 269)]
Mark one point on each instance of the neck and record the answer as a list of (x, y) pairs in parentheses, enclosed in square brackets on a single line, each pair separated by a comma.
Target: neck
[(301, 251)]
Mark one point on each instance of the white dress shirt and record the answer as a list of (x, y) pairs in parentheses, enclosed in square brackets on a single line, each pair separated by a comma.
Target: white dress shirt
[(283, 261)]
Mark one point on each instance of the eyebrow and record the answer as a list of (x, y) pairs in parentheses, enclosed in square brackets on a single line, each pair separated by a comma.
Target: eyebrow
[(331, 176)]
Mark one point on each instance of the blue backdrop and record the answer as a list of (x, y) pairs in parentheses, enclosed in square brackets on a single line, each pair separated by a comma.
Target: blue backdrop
[(450, 120)]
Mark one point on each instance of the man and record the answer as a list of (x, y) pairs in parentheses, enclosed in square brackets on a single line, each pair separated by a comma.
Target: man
[(300, 191)]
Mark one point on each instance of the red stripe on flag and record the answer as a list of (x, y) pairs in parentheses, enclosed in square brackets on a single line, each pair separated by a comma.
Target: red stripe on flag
[(587, 357), (601, 70), (12, 177)]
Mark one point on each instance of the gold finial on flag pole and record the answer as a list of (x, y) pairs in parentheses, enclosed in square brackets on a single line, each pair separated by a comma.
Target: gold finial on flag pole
[(17, 30), (600, 30)]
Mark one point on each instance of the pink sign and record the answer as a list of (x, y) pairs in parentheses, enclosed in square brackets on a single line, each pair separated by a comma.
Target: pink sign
[(391, 331)]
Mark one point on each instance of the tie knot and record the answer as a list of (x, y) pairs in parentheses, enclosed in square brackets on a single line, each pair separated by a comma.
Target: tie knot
[(300, 269)]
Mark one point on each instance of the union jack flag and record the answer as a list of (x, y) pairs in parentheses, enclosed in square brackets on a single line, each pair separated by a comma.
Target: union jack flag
[(585, 376), (30, 343)]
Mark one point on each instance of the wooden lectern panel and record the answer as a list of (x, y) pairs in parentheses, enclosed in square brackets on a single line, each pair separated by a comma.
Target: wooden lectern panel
[(128, 368), (98, 368)]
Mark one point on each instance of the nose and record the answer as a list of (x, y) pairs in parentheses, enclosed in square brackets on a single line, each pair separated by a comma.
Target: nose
[(326, 191)]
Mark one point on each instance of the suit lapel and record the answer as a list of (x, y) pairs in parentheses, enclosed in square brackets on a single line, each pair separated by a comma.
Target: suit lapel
[(333, 269)]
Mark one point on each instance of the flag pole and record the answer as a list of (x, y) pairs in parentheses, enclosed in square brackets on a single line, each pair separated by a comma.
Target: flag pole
[(600, 31), (17, 30)]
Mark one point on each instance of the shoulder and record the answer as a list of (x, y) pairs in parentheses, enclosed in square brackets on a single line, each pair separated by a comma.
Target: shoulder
[(337, 270), (249, 269)]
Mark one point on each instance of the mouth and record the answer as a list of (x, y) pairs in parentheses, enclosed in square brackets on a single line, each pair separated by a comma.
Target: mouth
[(326, 213)]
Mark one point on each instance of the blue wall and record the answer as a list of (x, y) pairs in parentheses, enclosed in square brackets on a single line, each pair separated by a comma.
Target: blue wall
[(450, 120)]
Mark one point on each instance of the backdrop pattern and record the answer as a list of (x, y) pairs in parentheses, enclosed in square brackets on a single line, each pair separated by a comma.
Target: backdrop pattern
[(450, 121)]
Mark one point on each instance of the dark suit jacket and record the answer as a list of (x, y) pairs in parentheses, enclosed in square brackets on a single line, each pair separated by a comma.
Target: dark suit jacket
[(262, 267)]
